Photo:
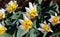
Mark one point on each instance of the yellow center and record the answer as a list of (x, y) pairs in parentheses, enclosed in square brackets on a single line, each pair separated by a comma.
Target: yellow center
[(2, 15), (46, 28), (2, 30), (27, 24), (55, 20), (12, 7), (33, 13)]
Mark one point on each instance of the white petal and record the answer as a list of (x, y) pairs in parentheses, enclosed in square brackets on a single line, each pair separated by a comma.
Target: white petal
[(6, 7), (5, 28), (27, 15), (34, 5), (10, 2), (40, 29), (21, 27), (3, 23), (55, 14), (15, 2), (51, 31), (30, 6), (49, 24), (37, 14), (2, 10), (44, 22), (50, 20), (41, 24), (0, 25), (52, 16), (27, 9), (24, 16), (21, 21)]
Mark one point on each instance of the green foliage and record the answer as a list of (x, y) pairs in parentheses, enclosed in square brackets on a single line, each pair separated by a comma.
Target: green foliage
[(5, 35), (20, 33)]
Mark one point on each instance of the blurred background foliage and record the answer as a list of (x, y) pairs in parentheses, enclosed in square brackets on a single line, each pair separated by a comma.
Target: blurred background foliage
[(24, 3)]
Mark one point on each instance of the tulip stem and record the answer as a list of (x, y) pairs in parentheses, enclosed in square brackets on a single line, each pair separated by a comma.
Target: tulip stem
[(45, 33)]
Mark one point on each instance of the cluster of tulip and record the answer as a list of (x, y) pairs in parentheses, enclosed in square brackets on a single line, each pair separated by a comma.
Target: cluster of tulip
[(27, 23)]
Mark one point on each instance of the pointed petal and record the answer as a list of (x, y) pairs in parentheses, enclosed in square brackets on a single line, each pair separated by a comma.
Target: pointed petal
[(28, 15), (49, 24), (21, 27), (36, 14), (15, 2), (3, 23), (0, 25), (10, 2), (6, 5), (44, 22), (30, 5), (51, 31), (2, 10), (34, 5), (41, 24), (5, 28), (27, 9), (40, 29), (50, 20), (21, 21), (24, 16), (52, 16), (55, 14)]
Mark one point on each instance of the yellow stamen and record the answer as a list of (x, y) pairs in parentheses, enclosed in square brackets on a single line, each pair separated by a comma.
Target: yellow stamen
[(2, 30), (12, 7), (55, 20), (46, 28), (33, 13), (2, 15), (27, 25)]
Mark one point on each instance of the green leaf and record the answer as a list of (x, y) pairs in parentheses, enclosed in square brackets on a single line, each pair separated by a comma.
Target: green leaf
[(51, 12), (8, 22), (57, 8), (34, 24), (33, 33), (51, 3), (16, 15), (20, 33), (19, 12), (45, 33), (5, 35)]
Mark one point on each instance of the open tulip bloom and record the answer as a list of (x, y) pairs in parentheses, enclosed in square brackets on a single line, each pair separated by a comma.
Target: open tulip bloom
[(11, 6), (45, 27), (54, 19), (16, 22), (31, 12), (26, 24), (2, 13), (2, 28)]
